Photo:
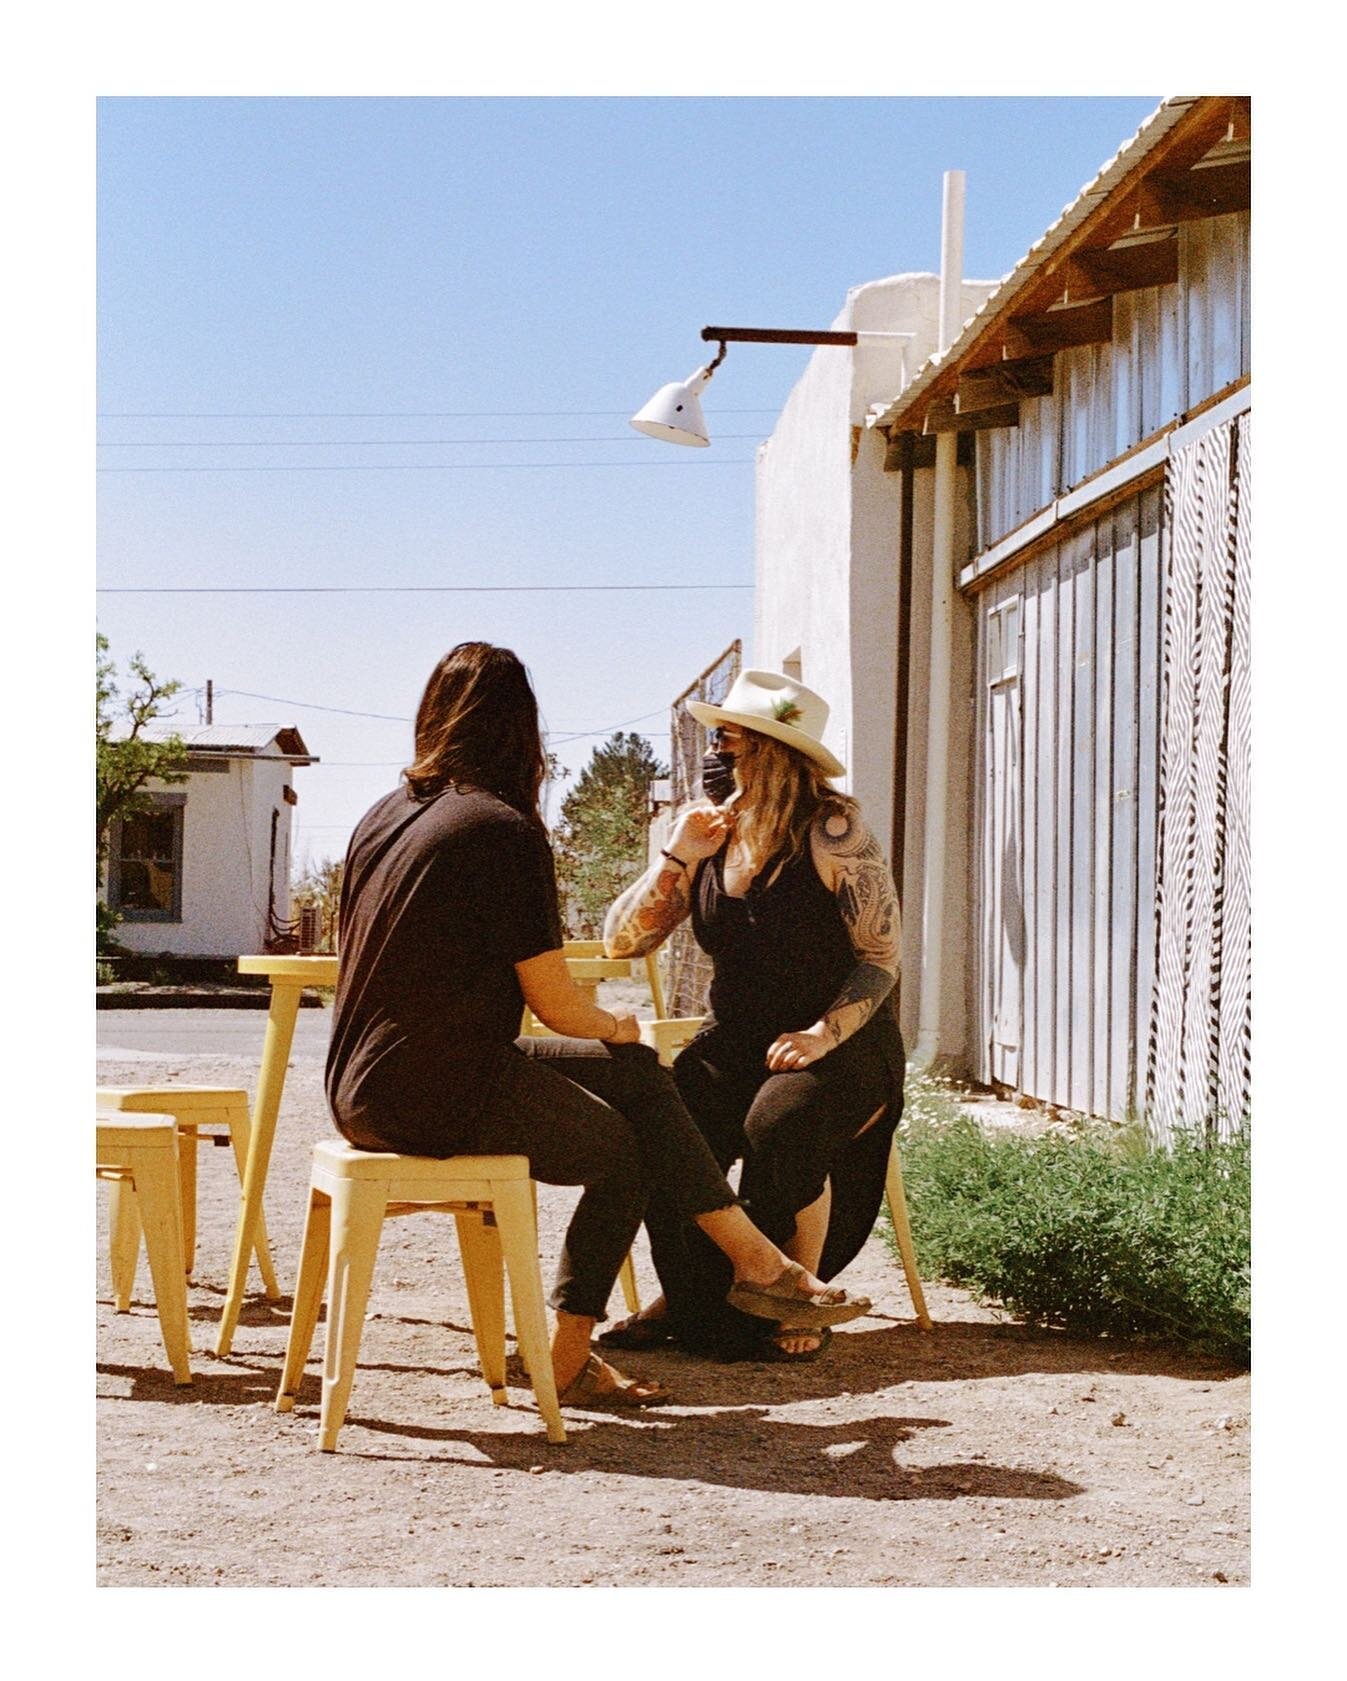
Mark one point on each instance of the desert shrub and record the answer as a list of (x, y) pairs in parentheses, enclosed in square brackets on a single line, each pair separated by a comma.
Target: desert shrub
[(1093, 1231)]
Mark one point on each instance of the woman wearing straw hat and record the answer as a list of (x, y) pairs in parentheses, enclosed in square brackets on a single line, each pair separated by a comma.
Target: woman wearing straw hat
[(798, 1070)]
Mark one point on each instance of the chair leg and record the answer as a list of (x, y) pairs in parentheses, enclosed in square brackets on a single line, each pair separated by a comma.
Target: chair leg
[(513, 1202), (483, 1271), (237, 1122), (157, 1192), (313, 1263), (187, 1148), (124, 1241), (893, 1185), (357, 1219), (630, 1294)]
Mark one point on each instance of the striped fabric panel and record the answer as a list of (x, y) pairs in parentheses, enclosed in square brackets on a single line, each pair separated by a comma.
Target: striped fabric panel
[(1198, 1056), (1236, 951), (1202, 1028), (1176, 814)]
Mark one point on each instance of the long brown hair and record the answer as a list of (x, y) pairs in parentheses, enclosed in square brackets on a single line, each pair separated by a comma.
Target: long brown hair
[(780, 792), (478, 724)]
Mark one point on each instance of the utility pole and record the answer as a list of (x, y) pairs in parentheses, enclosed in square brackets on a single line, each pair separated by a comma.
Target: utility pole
[(210, 701)]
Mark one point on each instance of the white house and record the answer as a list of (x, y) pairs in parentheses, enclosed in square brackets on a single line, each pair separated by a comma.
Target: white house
[(206, 872), (1082, 937)]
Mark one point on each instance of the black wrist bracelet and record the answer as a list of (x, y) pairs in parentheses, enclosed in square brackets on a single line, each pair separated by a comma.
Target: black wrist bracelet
[(672, 857)]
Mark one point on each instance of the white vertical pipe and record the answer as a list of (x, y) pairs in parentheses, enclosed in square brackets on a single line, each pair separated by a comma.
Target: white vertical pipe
[(942, 624)]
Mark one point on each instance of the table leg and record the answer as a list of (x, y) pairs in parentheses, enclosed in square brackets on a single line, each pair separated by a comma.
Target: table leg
[(281, 1013)]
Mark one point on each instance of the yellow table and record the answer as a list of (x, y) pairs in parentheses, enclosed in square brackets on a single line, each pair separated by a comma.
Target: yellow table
[(288, 977)]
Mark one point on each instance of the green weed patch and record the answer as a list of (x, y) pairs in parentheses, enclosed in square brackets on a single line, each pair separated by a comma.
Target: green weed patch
[(1094, 1232)]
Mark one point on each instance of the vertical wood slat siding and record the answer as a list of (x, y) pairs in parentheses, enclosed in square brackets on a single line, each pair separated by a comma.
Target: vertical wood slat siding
[(1172, 347), (1079, 895), (1122, 821), (1081, 985), (1031, 621), (1063, 723), (1101, 824), (1197, 1065)]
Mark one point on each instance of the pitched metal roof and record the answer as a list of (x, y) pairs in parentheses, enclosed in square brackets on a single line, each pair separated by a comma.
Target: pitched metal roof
[(250, 741), (1146, 138)]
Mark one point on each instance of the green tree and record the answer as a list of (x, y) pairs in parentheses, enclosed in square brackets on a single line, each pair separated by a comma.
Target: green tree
[(125, 759), (600, 842), (320, 884)]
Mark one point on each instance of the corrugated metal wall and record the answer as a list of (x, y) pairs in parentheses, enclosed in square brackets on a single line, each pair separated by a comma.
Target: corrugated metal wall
[(1112, 807), (1198, 1062), (1173, 347), (1066, 815)]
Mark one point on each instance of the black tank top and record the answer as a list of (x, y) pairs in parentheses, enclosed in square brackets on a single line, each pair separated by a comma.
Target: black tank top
[(780, 954)]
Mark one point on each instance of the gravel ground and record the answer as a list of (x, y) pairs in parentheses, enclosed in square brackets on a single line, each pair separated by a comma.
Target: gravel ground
[(983, 1454)]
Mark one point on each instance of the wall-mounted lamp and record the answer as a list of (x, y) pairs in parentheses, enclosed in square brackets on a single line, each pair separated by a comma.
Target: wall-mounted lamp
[(674, 413)]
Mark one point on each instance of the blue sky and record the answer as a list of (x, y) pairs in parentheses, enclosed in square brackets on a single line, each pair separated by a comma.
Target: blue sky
[(386, 284)]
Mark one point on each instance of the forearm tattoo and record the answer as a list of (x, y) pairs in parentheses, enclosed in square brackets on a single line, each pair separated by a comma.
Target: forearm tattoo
[(648, 912), (849, 858)]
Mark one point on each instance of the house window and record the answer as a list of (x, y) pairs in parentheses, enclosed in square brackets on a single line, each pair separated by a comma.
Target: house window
[(145, 866)]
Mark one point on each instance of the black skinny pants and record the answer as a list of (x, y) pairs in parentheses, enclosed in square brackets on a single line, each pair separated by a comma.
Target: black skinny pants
[(607, 1117), (789, 1129)]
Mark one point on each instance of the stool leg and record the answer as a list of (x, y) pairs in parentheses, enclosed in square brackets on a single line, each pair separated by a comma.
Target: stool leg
[(237, 1121), (893, 1185), (124, 1241), (187, 1147), (357, 1218), (513, 1202), (483, 1271), (630, 1294), (313, 1262), (157, 1192)]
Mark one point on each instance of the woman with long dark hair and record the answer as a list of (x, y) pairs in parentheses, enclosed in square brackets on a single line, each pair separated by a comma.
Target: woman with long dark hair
[(798, 1070), (449, 925)]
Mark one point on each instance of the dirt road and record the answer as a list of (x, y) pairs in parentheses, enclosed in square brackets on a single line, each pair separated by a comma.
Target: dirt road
[(979, 1455)]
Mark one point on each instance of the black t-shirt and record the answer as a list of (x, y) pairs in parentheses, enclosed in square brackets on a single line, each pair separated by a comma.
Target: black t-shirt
[(440, 899)]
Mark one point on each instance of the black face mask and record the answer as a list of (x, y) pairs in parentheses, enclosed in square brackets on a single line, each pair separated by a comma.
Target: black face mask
[(718, 776)]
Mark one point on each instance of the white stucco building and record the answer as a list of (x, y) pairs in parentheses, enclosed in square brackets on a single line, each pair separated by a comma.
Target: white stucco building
[(206, 872)]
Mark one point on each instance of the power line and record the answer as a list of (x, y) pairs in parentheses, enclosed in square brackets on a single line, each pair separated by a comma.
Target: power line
[(401, 589), (427, 467), (392, 718), (381, 443), (394, 414)]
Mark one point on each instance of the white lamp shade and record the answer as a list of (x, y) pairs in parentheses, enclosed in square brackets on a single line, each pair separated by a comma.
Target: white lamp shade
[(674, 413)]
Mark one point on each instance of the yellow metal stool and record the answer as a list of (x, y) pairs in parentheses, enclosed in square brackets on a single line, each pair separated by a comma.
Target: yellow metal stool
[(350, 1193), (196, 1108), (138, 1156)]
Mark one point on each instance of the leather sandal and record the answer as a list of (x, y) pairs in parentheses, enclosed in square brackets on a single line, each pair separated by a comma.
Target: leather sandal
[(586, 1388), (773, 1351), (787, 1299), (637, 1332)]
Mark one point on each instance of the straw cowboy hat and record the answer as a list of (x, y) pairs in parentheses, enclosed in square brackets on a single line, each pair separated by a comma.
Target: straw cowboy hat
[(778, 706)]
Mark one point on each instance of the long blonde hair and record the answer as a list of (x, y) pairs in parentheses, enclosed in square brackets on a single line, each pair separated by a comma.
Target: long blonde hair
[(779, 793)]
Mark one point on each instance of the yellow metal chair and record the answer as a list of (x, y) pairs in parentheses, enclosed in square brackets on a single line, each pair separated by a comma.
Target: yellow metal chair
[(138, 1156), (199, 1111), (351, 1192)]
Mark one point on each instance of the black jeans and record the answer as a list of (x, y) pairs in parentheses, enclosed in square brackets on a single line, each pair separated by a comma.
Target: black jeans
[(793, 1131), (607, 1117)]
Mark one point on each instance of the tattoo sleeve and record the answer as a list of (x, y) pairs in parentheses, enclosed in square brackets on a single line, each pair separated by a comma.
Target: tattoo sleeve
[(649, 910), (850, 861)]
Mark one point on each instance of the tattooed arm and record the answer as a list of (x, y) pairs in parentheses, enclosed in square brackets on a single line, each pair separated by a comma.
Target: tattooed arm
[(851, 865), (648, 912)]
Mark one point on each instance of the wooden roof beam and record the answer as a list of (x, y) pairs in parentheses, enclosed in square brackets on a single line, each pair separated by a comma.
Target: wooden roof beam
[(1003, 383), (1059, 329), (943, 416), (1129, 268)]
